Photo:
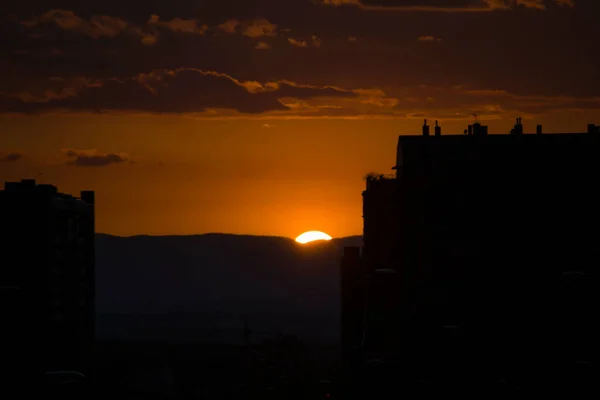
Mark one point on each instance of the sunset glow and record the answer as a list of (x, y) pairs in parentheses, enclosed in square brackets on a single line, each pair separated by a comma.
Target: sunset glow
[(312, 236), (241, 117)]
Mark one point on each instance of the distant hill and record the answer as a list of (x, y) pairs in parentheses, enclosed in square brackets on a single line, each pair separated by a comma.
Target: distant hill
[(203, 288)]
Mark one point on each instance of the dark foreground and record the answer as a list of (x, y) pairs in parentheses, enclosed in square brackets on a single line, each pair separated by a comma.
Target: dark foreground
[(284, 368), (281, 368)]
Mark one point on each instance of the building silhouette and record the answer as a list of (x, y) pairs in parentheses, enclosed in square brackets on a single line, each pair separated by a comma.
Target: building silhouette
[(479, 258), (46, 281)]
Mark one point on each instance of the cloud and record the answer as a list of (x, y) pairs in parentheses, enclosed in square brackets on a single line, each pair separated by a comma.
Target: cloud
[(444, 5), (185, 90), (92, 158), (149, 40), (212, 95), (255, 28), (179, 25), (298, 43), (457, 101), (268, 126), (566, 3), (316, 41), (54, 88), (428, 39), (352, 38), (258, 28), (262, 46), (10, 157), (229, 26), (98, 26)]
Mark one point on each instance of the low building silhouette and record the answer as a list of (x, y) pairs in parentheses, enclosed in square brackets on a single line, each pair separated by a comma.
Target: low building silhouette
[(478, 256), (47, 282)]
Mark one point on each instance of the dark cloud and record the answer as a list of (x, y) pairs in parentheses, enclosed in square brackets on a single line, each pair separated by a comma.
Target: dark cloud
[(91, 158), (316, 41), (96, 27), (258, 28), (429, 39), (105, 26), (229, 26), (410, 4), (526, 51), (177, 91), (10, 157), (192, 26), (298, 43), (262, 46), (446, 5), (443, 102)]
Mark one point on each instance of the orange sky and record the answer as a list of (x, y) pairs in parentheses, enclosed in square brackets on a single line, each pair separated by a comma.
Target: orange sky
[(188, 176), (263, 116), (192, 176)]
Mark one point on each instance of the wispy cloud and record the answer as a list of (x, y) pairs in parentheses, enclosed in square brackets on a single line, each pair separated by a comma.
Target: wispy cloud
[(96, 27), (444, 5), (429, 39), (316, 41), (258, 28), (298, 43), (192, 26), (93, 158), (229, 26), (262, 46), (10, 157), (185, 90)]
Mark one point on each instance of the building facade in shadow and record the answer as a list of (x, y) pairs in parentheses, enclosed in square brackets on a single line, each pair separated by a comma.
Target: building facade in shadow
[(479, 258), (47, 282)]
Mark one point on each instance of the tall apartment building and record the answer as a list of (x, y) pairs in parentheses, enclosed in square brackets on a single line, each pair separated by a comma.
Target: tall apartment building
[(482, 250), (46, 280)]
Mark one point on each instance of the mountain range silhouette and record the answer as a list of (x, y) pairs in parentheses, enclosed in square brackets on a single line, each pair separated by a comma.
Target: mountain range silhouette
[(206, 288)]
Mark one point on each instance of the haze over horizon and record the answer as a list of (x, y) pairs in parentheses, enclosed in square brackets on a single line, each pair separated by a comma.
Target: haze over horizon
[(263, 117)]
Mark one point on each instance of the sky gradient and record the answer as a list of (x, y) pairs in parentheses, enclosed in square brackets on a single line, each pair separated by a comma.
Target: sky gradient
[(263, 117)]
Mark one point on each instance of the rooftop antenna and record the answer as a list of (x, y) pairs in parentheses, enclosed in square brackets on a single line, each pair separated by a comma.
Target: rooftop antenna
[(475, 116)]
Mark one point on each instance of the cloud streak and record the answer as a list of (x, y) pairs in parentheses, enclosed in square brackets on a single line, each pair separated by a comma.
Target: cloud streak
[(429, 39), (213, 95), (445, 5), (297, 43), (185, 90), (262, 46), (92, 158), (98, 26), (10, 157), (259, 28), (191, 26)]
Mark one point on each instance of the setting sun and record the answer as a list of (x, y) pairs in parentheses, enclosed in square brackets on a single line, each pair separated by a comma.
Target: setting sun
[(312, 236)]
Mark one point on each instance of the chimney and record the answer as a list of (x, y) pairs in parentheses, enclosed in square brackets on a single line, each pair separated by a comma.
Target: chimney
[(470, 130), (518, 130), (438, 129), (538, 130), (425, 129)]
